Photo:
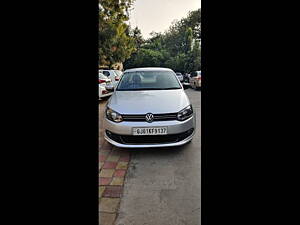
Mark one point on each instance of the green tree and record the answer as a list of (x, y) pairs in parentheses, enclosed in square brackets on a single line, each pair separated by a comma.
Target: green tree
[(188, 39), (138, 38), (178, 48), (145, 58), (115, 43), (194, 58)]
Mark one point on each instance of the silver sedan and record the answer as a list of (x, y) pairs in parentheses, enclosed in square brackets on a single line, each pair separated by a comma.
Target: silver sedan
[(149, 108)]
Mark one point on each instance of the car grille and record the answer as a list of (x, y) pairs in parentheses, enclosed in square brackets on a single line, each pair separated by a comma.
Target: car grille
[(149, 139), (157, 117)]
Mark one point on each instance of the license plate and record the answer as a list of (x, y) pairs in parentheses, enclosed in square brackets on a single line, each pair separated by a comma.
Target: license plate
[(150, 131)]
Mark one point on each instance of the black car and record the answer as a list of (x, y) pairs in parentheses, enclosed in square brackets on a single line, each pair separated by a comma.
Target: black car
[(186, 79)]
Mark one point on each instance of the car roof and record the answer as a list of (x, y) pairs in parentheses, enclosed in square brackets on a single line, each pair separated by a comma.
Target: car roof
[(148, 69)]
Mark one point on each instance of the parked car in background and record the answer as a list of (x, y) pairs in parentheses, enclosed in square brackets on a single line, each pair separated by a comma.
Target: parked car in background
[(149, 108), (180, 77), (195, 79), (186, 79), (119, 73), (104, 82), (111, 74)]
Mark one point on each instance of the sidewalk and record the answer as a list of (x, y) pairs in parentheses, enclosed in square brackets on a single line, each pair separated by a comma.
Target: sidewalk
[(113, 165)]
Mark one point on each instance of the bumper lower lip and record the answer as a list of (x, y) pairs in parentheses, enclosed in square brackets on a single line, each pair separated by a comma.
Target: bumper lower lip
[(149, 145)]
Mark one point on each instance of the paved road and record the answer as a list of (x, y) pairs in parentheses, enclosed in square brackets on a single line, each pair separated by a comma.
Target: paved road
[(163, 186)]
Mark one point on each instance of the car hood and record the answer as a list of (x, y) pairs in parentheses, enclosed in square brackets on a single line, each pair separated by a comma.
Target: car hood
[(154, 101)]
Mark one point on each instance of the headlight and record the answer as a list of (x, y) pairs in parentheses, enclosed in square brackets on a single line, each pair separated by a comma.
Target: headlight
[(185, 113), (113, 116)]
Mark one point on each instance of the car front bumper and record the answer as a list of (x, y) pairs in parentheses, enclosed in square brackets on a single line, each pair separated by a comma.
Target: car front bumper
[(120, 134)]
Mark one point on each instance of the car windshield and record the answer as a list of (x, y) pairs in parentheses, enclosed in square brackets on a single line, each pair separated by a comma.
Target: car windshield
[(148, 80)]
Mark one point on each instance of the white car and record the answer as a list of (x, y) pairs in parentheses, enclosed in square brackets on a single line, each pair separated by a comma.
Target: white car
[(119, 73), (180, 77), (112, 75), (195, 79), (103, 83)]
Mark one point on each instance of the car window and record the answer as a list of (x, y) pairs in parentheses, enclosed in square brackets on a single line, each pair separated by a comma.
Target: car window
[(148, 80), (106, 73)]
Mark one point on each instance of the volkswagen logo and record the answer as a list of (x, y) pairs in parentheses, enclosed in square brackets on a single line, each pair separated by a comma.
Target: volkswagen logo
[(149, 117)]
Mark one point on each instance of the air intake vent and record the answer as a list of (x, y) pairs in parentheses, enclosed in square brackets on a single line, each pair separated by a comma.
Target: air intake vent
[(157, 117)]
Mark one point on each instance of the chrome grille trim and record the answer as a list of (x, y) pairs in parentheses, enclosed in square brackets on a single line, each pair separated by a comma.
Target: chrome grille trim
[(157, 117)]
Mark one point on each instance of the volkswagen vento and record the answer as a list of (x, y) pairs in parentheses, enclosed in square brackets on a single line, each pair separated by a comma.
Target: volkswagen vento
[(149, 108)]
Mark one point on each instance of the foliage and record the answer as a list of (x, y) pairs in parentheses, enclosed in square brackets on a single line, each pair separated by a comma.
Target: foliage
[(178, 48), (115, 42)]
